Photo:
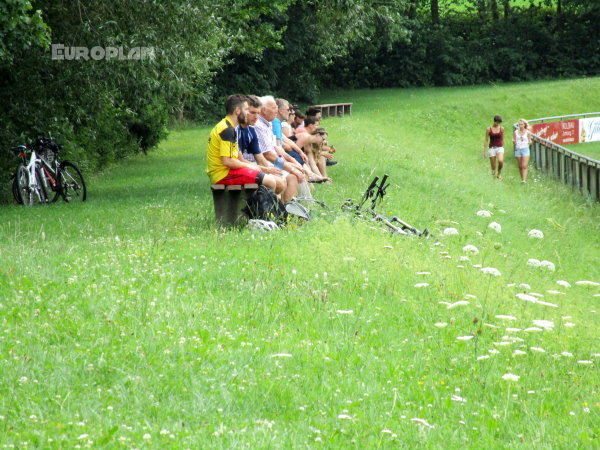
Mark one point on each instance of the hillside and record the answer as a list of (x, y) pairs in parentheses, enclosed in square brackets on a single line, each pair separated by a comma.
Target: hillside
[(133, 320)]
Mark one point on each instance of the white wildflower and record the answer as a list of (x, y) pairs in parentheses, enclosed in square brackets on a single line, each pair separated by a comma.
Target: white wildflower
[(533, 262), (537, 234), (569, 324), (146, 436), (455, 304), (553, 292), (484, 213), (530, 329), (519, 352), (479, 358), (471, 249), (496, 227), (465, 338), (344, 311), (440, 324), (420, 285), (513, 330), (526, 297), (586, 283), (548, 265), (422, 422), (500, 316), (525, 286), (547, 304), (281, 355), (457, 398), (450, 232), (344, 417), (585, 362), (567, 354), (564, 283), (537, 349), (546, 324), (510, 377), (491, 271)]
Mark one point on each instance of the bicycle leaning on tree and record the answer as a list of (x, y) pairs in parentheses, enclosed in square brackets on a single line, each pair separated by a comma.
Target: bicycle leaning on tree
[(41, 177)]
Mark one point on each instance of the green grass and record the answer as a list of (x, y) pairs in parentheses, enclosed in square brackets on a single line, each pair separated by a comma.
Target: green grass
[(589, 149), (132, 321)]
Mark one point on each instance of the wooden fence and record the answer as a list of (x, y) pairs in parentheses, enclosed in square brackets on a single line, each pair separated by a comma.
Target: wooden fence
[(578, 171)]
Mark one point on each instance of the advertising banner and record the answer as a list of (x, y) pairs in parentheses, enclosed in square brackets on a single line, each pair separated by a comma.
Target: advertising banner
[(589, 130), (565, 132)]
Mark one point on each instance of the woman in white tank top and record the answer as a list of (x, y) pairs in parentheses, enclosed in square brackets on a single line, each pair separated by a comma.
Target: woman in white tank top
[(522, 141)]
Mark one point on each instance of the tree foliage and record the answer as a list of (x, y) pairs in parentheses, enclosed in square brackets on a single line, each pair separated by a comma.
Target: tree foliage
[(106, 109)]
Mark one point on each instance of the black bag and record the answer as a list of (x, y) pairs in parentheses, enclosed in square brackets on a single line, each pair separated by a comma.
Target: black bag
[(264, 205)]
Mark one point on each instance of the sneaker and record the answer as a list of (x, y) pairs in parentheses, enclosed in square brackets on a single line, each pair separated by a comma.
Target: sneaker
[(330, 162)]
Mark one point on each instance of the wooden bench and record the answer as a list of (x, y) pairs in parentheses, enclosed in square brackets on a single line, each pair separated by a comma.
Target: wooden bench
[(335, 109), (229, 201)]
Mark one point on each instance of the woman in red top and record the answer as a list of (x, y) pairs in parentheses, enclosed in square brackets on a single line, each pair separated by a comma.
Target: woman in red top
[(493, 146)]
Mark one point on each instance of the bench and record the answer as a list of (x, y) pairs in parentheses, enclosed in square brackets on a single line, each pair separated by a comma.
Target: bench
[(335, 109), (229, 201)]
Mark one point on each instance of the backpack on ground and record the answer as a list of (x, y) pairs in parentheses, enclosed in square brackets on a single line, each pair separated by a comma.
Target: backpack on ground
[(264, 205)]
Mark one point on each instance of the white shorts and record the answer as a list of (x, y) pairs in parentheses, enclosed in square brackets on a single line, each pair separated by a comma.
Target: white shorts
[(493, 151)]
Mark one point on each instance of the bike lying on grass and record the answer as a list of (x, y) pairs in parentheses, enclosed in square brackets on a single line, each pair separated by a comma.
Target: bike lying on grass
[(375, 192), (41, 177)]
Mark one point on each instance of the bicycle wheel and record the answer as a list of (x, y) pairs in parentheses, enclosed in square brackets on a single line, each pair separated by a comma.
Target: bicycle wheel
[(21, 186), (15, 190), (72, 184)]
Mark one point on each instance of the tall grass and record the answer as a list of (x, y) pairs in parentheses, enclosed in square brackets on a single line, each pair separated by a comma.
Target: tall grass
[(132, 320)]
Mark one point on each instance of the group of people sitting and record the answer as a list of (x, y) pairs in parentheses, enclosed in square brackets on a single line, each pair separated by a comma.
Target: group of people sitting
[(268, 142)]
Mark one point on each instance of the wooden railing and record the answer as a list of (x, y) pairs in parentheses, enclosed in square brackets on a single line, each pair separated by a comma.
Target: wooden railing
[(576, 170)]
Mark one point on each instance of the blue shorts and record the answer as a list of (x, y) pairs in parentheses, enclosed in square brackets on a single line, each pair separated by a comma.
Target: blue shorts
[(294, 154), (520, 152)]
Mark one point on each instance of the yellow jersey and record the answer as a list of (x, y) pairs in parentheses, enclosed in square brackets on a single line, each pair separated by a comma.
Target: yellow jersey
[(222, 142)]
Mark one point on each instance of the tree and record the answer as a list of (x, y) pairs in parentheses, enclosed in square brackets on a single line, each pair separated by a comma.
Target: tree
[(435, 12), (21, 28)]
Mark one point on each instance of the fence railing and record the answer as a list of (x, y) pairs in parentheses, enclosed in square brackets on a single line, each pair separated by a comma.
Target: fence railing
[(579, 171)]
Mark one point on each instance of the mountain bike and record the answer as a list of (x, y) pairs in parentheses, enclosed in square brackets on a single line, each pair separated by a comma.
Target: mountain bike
[(28, 184), (375, 193), (61, 178), (47, 174)]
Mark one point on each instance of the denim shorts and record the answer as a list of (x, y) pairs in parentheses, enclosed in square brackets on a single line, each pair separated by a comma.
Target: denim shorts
[(520, 152)]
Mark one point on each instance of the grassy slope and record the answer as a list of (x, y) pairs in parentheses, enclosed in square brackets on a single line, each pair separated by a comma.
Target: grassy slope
[(590, 149), (132, 315)]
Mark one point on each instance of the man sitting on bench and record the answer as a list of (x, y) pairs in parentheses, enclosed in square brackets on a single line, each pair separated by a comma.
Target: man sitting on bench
[(225, 163)]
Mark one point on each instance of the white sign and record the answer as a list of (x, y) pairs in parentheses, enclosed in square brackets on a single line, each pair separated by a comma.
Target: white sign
[(589, 130)]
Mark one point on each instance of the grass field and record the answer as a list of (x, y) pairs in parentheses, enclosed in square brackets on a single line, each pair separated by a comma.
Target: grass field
[(590, 149), (133, 321)]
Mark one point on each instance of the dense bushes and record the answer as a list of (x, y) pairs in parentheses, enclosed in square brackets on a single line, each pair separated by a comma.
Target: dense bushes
[(108, 109), (105, 109), (462, 49)]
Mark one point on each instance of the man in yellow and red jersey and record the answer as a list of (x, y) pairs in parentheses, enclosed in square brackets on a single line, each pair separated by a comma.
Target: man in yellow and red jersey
[(225, 164)]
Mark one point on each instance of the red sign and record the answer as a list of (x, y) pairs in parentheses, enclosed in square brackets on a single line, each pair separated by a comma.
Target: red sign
[(563, 133)]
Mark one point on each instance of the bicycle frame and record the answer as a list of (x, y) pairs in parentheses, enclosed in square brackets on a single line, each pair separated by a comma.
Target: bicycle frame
[(50, 173), (33, 182)]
